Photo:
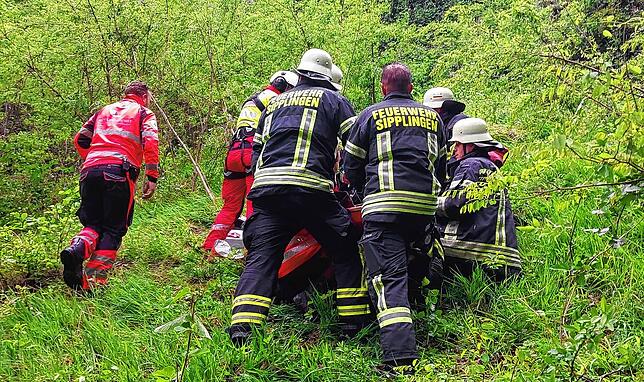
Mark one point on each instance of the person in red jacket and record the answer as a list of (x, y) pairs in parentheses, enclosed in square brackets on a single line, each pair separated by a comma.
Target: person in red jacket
[(238, 177), (113, 143)]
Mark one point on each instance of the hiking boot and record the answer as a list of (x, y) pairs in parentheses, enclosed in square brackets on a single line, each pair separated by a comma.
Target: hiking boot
[(72, 258), (394, 369)]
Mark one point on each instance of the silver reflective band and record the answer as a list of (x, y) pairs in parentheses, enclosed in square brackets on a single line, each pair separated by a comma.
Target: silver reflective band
[(400, 201), (481, 252), (346, 125), (119, 132), (355, 150)]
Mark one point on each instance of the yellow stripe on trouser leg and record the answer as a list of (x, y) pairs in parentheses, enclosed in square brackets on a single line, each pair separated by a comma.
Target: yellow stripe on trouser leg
[(248, 317), (379, 288), (351, 292), (353, 310), (396, 315)]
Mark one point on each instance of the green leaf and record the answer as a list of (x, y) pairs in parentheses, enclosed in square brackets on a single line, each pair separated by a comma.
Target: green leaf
[(181, 294), (177, 322), (201, 329), (167, 372), (634, 69), (606, 33)]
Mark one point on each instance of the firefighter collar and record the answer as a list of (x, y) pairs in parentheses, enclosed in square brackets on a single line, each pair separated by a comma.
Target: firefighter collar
[(397, 95)]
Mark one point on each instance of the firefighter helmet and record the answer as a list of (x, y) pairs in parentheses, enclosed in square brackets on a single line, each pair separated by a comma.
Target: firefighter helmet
[(435, 97), (336, 77), (470, 130), (316, 61), (284, 79)]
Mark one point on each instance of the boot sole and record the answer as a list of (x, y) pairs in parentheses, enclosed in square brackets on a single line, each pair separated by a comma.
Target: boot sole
[(72, 267)]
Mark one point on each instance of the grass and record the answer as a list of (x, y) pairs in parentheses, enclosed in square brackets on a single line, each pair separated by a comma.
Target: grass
[(528, 330)]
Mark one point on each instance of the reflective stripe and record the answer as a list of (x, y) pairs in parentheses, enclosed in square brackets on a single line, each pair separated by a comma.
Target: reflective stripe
[(247, 300), (102, 259), (353, 310), (441, 203), (500, 222), (379, 288), (152, 167), (96, 272), (258, 138), (355, 150), (400, 201), (253, 296), (347, 124), (248, 317), (397, 320), (394, 316), (150, 134), (266, 131), (459, 182), (119, 132), (105, 154), (86, 132), (432, 154), (304, 138), (481, 252), (351, 292), (293, 176), (385, 161)]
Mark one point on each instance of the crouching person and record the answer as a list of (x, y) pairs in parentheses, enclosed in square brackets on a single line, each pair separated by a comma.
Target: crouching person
[(397, 153), (113, 143), (487, 237)]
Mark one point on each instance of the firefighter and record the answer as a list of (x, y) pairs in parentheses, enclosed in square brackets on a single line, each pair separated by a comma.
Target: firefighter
[(238, 178), (112, 143), (486, 237), (396, 153), (336, 77), (293, 157), (451, 111)]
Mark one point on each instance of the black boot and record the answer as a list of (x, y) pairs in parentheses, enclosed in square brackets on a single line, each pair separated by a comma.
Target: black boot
[(72, 258), (239, 334)]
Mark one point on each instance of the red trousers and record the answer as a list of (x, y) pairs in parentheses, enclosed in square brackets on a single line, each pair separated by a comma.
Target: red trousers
[(234, 192)]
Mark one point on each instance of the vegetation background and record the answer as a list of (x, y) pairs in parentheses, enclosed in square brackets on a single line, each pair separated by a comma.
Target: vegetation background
[(560, 82)]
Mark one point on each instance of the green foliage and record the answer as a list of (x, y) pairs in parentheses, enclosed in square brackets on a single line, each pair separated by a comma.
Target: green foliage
[(559, 83)]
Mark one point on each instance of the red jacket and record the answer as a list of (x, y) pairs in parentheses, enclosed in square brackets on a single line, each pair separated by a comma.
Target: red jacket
[(123, 131)]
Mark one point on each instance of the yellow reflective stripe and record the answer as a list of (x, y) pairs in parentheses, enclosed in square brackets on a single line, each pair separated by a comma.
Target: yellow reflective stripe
[(246, 320), (379, 288), (305, 133), (389, 311), (258, 138), (251, 301), (355, 150), (398, 207), (500, 221), (266, 131), (290, 180), (482, 255), (481, 247), (293, 176), (404, 195), (255, 296), (346, 125), (432, 154), (385, 161), (351, 292), (353, 310), (397, 320)]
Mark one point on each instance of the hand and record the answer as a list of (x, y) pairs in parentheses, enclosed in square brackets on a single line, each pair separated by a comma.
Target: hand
[(148, 189)]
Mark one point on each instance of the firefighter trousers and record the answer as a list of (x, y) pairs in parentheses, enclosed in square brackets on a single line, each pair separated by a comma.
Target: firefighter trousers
[(106, 208), (233, 192), (386, 247), (275, 220)]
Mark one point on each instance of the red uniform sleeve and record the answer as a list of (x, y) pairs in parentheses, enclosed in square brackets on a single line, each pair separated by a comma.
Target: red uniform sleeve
[(83, 139), (150, 136)]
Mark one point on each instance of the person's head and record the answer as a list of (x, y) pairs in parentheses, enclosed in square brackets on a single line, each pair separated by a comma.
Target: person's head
[(467, 133), (396, 77), (284, 80), (336, 77), (139, 89)]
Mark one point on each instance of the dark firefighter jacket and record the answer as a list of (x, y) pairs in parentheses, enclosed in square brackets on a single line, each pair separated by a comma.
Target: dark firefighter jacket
[(296, 138), (487, 235), (396, 152)]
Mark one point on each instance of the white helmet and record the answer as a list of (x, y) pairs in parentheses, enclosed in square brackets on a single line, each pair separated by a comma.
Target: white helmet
[(290, 77), (316, 61), (435, 97), (470, 130), (336, 77)]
